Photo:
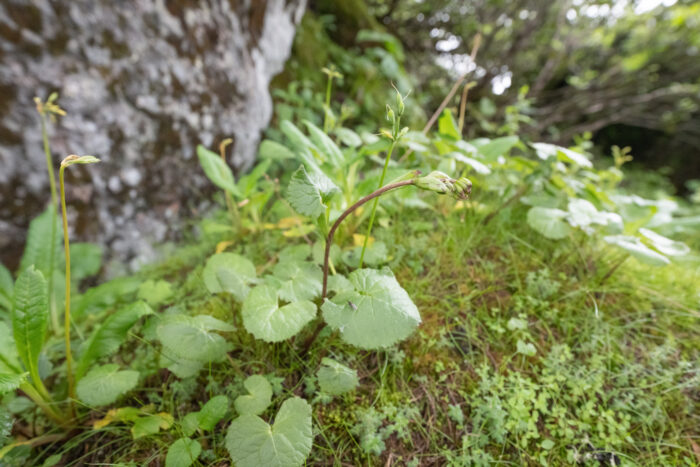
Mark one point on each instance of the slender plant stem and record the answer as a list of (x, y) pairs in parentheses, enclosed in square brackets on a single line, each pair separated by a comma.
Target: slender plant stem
[(374, 206), (230, 204), (346, 213), (34, 395), (614, 267), (66, 323), (328, 104), (54, 221)]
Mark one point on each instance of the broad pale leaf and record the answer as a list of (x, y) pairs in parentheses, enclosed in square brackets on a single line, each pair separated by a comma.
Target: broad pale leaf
[(303, 145), (325, 144), (251, 442), (273, 150), (545, 151), (30, 316), (192, 337), (348, 137), (308, 192), (217, 171), (636, 248), (335, 378), (295, 253), (229, 272), (107, 338), (583, 213), (104, 384), (478, 167), (664, 244), (258, 399), (376, 313), (183, 453), (549, 222), (299, 280), (265, 319)]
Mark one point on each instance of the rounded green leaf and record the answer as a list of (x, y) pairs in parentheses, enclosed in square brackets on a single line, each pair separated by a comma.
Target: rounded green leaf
[(183, 453), (335, 378), (376, 313), (213, 411), (308, 192), (229, 272), (191, 337), (259, 398), (104, 384), (298, 280), (549, 222), (252, 442), (265, 319)]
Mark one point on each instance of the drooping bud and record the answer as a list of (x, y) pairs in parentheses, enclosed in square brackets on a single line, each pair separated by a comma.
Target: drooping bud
[(73, 159), (441, 183)]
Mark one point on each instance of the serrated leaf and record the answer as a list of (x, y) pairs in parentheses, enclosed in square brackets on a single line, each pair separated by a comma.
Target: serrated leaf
[(37, 250), (30, 317), (636, 248), (9, 359), (6, 288), (265, 319), (447, 126), (335, 378), (325, 144), (295, 253), (183, 453), (217, 171), (664, 244), (190, 423), (299, 280), (258, 399), (107, 338), (308, 192), (104, 384), (251, 442), (548, 222), (11, 381), (229, 272), (376, 313), (375, 255), (191, 337), (155, 292), (151, 424)]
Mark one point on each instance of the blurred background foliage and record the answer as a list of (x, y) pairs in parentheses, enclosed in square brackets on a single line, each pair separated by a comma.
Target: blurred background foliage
[(615, 72)]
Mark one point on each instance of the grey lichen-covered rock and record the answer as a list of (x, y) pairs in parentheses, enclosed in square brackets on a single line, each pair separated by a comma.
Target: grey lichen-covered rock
[(143, 82)]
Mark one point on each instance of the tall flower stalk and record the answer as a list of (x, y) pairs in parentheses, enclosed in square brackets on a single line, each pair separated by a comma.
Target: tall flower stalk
[(67, 162), (50, 109)]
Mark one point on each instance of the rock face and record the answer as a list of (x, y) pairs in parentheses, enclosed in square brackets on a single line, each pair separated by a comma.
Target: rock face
[(142, 82)]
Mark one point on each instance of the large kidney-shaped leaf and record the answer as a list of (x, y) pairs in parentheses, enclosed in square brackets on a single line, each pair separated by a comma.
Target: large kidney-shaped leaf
[(376, 313), (267, 320), (183, 453), (217, 171), (229, 272), (107, 338), (583, 214), (636, 248), (192, 337), (105, 384), (30, 315), (549, 222), (335, 378), (298, 280), (258, 399), (254, 443), (308, 192)]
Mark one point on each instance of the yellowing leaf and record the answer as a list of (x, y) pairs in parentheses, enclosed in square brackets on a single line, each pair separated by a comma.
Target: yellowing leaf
[(222, 246), (359, 240)]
